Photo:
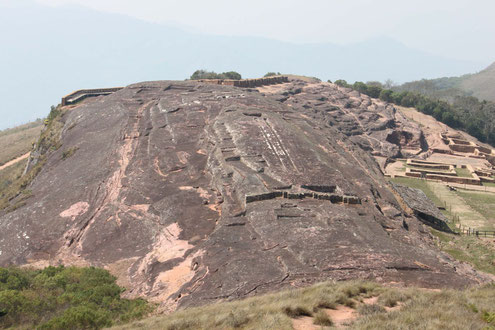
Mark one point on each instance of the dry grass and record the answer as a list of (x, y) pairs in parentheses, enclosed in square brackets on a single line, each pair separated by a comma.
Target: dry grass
[(272, 311), (322, 318), (419, 309), (447, 309), (17, 141), (14, 194)]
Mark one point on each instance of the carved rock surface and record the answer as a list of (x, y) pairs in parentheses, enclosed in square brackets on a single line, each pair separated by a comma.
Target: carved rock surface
[(190, 192)]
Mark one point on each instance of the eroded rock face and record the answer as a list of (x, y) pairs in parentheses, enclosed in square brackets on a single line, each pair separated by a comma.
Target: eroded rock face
[(192, 192), (422, 207)]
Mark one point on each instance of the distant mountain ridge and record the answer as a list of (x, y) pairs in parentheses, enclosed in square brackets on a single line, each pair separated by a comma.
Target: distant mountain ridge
[(55, 50), (480, 85)]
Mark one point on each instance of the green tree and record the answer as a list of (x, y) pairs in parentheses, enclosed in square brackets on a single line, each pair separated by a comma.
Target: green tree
[(231, 75), (386, 95), (360, 87), (342, 83)]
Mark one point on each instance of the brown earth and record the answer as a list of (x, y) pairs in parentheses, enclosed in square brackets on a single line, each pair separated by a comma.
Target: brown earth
[(191, 193)]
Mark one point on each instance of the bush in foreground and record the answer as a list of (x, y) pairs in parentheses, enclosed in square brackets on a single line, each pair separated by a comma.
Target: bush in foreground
[(64, 298)]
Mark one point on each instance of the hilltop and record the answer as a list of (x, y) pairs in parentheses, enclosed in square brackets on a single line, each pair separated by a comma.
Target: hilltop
[(191, 192)]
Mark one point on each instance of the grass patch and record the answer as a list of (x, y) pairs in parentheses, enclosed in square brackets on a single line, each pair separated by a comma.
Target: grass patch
[(463, 172), (69, 152), (484, 203), (370, 309), (447, 309), (17, 141), (421, 185), (477, 252), (64, 298), (473, 308), (13, 194), (10, 174), (272, 311), (392, 298), (322, 318)]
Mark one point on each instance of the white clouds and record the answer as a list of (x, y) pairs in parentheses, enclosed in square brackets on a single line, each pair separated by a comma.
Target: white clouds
[(455, 28)]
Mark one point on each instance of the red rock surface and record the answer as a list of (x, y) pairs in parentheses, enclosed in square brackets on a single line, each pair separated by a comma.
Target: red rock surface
[(157, 192)]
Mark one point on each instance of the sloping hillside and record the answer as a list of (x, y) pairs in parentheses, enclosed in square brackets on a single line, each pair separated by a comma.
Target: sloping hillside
[(17, 141), (481, 84), (190, 192)]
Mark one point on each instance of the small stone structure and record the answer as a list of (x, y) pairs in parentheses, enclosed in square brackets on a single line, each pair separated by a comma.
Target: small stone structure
[(248, 82), (433, 171), (457, 144), (316, 192), (81, 94)]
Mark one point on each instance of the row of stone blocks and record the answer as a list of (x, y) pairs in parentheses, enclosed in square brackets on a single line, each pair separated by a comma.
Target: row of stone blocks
[(248, 82), (446, 178), (333, 198), (81, 94)]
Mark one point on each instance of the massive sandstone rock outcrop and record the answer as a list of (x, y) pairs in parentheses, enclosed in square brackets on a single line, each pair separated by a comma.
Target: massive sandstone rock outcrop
[(191, 192)]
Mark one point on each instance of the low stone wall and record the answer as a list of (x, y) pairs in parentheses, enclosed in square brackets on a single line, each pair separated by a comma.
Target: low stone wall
[(442, 151), (454, 179), (429, 171), (333, 198), (445, 178), (248, 82), (484, 150), (463, 148), (463, 142), (81, 94), (430, 165)]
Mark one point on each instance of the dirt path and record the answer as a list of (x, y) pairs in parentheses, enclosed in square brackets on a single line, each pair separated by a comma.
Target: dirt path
[(14, 161), (457, 206)]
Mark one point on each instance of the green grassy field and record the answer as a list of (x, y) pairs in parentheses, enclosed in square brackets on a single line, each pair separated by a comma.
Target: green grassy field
[(484, 203), (17, 141), (479, 253)]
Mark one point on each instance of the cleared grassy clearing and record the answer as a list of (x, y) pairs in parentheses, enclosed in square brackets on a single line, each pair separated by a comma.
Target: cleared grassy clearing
[(484, 203), (415, 309)]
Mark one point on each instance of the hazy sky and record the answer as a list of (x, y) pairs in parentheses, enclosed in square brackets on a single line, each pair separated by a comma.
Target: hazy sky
[(461, 29)]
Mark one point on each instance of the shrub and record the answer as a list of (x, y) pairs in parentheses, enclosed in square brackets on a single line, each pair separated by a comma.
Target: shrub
[(391, 298), (322, 318), (64, 298), (370, 309), (297, 311), (271, 74)]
